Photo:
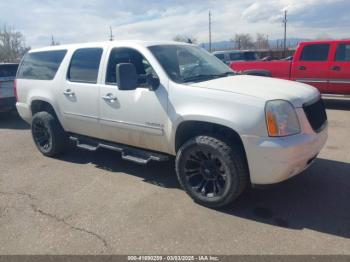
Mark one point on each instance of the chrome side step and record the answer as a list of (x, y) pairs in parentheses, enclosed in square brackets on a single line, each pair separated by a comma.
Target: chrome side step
[(135, 155)]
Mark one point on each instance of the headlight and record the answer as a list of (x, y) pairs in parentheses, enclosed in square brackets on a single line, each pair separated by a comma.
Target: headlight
[(281, 118)]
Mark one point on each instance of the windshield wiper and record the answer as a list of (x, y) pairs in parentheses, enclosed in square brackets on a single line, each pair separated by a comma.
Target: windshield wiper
[(205, 77), (199, 77), (228, 73)]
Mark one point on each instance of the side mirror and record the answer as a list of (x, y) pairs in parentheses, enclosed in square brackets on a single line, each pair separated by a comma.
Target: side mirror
[(126, 76), (153, 82)]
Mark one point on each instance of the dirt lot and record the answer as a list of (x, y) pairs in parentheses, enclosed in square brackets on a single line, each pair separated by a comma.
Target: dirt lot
[(91, 203)]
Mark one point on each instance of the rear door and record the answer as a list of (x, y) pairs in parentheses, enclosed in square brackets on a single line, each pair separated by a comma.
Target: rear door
[(339, 81), (311, 65), (79, 92)]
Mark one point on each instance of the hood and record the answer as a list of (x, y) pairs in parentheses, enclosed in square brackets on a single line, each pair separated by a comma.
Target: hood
[(264, 88)]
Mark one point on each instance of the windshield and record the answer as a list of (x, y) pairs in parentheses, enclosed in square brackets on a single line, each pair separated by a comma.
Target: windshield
[(185, 63)]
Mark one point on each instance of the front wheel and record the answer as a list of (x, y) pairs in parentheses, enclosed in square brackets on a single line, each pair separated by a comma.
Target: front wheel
[(48, 134), (210, 171)]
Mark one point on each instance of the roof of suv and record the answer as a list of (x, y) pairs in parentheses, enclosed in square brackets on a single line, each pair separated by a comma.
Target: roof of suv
[(108, 43)]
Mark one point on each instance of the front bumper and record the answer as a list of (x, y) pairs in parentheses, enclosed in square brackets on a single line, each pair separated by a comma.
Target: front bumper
[(273, 160), (7, 104)]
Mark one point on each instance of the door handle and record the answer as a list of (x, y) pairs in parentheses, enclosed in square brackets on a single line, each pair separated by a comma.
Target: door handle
[(336, 68), (68, 92), (302, 68), (110, 97)]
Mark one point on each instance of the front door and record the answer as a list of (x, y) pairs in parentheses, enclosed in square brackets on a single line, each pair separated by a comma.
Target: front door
[(339, 80), (79, 93), (312, 66), (134, 117)]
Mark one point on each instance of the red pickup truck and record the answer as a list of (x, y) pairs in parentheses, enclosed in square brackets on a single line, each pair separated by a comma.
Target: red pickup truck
[(322, 64)]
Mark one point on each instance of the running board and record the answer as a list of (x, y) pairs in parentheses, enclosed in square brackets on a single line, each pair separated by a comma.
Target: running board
[(135, 155)]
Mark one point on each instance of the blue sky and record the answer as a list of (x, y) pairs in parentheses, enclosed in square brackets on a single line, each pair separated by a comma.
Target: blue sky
[(72, 21)]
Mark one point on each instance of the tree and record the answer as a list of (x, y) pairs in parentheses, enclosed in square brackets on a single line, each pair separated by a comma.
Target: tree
[(243, 41), (185, 39), (12, 44), (261, 41)]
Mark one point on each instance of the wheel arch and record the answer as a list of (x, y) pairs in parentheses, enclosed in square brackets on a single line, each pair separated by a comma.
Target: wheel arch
[(40, 105), (191, 128)]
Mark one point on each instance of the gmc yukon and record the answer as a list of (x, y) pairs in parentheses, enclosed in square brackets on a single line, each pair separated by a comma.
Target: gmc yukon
[(154, 100)]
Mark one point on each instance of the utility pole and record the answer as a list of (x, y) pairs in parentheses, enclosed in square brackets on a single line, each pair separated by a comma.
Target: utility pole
[(285, 34), (209, 31), (267, 42), (111, 37)]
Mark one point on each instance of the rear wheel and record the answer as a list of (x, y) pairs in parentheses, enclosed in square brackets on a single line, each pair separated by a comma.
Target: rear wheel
[(48, 134), (212, 173)]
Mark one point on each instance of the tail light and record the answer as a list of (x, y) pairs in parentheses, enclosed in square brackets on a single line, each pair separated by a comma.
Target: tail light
[(15, 89)]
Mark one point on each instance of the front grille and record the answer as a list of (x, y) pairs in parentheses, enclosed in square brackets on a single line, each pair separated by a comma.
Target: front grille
[(316, 114)]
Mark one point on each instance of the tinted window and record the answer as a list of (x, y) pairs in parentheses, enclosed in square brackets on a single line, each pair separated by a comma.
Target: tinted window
[(236, 56), (317, 52), (128, 55), (251, 56), (41, 65), (343, 52), (8, 70), (84, 65)]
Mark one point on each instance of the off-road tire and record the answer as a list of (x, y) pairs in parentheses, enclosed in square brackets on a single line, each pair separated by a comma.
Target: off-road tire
[(46, 126), (233, 161)]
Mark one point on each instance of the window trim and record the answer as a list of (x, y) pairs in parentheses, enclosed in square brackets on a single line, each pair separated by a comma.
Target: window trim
[(36, 52), (315, 61), (70, 64)]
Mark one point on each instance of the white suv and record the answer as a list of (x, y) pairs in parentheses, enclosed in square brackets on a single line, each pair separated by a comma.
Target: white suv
[(153, 100)]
